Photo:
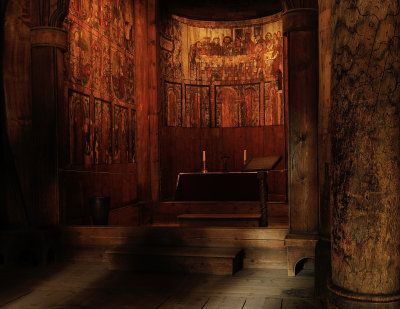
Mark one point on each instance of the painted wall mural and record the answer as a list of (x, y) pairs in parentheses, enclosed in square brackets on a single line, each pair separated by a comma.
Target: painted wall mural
[(234, 60), (238, 106), (102, 132), (100, 64), (173, 104), (79, 119), (121, 134), (197, 106)]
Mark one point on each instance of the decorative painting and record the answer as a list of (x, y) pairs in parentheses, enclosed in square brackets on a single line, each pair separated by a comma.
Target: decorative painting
[(238, 106), (79, 127), (228, 56), (99, 63), (121, 134), (273, 98), (100, 47), (197, 107), (173, 104), (102, 132)]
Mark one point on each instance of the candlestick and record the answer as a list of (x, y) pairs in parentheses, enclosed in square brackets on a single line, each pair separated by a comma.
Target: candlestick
[(204, 162), (244, 156), (204, 167)]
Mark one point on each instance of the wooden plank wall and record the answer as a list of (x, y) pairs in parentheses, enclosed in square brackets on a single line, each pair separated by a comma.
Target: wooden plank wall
[(119, 181), (181, 151)]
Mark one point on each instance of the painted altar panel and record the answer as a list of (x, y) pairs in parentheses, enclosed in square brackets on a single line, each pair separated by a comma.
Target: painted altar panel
[(250, 107), (227, 100), (238, 106), (197, 107), (102, 132), (173, 104)]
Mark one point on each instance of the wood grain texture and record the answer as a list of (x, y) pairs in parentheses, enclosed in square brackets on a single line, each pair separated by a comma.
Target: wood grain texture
[(324, 105), (92, 285), (365, 148), (302, 94), (119, 181), (142, 99), (89, 236)]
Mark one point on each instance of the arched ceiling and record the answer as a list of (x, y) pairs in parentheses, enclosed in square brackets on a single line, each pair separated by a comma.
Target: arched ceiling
[(221, 9)]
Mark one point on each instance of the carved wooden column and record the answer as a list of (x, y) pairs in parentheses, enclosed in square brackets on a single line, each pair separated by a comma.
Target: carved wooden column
[(48, 43), (365, 152), (300, 29)]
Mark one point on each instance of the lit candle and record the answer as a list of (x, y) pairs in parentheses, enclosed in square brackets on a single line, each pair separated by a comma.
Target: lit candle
[(244, 155), (204, 155)]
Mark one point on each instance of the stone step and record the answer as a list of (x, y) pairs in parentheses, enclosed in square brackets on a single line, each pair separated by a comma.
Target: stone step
[(218, 261), (237, 220)]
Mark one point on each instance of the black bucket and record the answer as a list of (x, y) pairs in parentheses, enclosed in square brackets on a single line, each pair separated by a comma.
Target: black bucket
[(100, 207)]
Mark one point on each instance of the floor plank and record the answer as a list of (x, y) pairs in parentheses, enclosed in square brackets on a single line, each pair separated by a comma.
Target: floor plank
[(93, 285), (185, 302), (262, 303), (301, 304), (225, 302)]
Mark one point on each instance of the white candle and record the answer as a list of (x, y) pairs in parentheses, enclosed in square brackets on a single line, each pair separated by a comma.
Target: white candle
[(204, 155), (244, 155)]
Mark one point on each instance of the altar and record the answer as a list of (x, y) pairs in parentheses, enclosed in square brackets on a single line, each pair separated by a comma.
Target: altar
[(247, 185), (217, 186)]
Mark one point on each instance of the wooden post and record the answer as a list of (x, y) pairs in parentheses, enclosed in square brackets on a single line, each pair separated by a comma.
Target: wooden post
[(365, 153), (300, 28), (47, 47), (146, 83)]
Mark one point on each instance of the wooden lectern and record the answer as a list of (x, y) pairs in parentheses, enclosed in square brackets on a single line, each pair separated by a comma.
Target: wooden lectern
[(262, 165)]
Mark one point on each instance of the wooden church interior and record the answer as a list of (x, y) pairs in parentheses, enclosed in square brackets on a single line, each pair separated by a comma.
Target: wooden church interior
[(246, 154)]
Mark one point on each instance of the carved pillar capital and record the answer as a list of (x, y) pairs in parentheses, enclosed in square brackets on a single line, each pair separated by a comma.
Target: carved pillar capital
[(49, 37)]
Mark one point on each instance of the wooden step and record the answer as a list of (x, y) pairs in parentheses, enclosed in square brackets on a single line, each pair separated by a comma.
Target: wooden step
[(219, 261), (167, 212), (237, 220), (109, 236), (273, 258)]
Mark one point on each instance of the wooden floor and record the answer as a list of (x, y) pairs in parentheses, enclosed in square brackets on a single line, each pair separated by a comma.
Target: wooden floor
[(92, 285)]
